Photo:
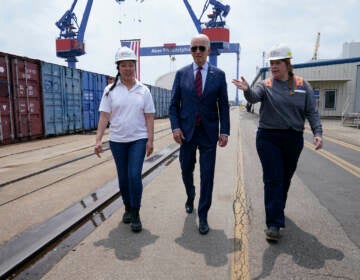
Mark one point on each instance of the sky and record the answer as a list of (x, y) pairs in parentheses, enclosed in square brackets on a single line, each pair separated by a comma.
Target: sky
[(28, 29)]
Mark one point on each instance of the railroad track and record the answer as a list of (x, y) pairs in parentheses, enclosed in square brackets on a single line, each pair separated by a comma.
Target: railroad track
[(53, 162), (54, 176), (33, 252)]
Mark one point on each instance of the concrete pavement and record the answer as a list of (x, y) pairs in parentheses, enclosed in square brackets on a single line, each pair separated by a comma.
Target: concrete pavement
[(313, 246)]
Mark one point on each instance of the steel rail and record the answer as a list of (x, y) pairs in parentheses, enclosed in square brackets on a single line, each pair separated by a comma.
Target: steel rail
[(105, 148), (17, 254)]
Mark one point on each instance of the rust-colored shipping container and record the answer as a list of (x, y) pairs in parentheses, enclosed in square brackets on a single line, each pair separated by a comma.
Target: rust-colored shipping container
[(20, 99), (7, 133)]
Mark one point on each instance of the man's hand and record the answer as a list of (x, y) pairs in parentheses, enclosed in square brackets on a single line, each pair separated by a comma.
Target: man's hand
[(178, 136), (223, 139)]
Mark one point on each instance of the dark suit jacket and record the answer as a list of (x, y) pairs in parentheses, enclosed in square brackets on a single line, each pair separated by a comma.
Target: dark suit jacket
[(213, 104)]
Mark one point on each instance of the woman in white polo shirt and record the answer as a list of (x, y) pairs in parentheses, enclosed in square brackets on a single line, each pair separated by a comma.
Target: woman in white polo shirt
[(128, 105)]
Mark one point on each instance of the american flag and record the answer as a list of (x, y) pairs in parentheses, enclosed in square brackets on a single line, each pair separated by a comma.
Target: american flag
[(133, 44)]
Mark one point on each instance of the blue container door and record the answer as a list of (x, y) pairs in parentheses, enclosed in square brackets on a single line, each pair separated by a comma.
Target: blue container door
[(156, 98), (100, 86), (53, 99), (88, 100), (92, 90), (73, 115)]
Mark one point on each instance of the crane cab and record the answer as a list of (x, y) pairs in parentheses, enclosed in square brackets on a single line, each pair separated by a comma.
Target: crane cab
[(66, 48), (217, 34)]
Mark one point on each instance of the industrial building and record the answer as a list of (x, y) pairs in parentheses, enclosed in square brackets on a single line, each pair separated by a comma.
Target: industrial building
[(336, 84)]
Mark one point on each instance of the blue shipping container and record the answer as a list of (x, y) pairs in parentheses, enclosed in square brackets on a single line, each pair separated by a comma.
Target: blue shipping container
[(61, 99), (53, 99), (92, 86), (73, 100), (162, 98)]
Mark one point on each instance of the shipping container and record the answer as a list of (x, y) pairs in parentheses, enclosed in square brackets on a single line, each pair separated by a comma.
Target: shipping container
[(7, 133), (21, 117), (162, 98), (92, 87), (27, 103), (61, 96), (73, 108), (53, 99), (40, 99), (7, 130)]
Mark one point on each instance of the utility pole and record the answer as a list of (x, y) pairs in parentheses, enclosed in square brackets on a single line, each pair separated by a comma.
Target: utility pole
[(317, 44)]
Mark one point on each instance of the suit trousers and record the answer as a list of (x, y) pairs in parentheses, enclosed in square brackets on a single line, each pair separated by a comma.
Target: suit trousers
[(279, 151), (207, 155)]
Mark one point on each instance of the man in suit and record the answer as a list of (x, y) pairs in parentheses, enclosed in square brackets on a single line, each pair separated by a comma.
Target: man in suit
[(199, 103)]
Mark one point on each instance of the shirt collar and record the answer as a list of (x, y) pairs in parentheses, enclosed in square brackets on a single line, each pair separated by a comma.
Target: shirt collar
[(137, 83), (204, 67)]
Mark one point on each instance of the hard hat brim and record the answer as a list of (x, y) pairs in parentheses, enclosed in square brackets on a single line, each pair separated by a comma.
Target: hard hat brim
[(126, 59), (279, 57)]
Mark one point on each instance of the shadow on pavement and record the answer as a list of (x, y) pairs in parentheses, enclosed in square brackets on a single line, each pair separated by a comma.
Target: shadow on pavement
[(127, 244), (305, 249), (215, 246)]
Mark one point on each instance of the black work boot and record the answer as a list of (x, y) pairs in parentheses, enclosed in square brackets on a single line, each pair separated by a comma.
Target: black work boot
[(272, 234), (127, 215), (136, 225)]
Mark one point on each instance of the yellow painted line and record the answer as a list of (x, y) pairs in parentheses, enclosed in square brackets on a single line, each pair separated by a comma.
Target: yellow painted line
[(351, 168), (339, 142), (240, 261), (342, 143)]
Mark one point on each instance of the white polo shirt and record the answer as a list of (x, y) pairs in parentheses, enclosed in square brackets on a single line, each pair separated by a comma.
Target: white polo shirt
[(127, 109)]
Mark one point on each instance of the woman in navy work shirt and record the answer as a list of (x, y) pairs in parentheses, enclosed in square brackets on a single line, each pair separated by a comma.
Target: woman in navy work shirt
[(129, 107), (286, 100)]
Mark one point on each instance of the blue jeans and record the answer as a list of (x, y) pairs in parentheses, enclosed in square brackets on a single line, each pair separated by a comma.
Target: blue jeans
[(129, 159), (279, 151)]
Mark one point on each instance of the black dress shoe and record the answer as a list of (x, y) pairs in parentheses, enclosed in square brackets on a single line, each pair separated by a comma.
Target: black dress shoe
[(189, 206), (203, 227)]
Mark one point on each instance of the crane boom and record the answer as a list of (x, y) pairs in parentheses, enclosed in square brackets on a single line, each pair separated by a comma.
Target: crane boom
[(84, 21), (70, 42), (215, 28), (219, 12), (66, 21), (195, 20)]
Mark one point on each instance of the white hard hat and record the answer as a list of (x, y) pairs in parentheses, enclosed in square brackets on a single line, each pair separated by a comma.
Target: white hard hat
[(125, 53), (280, 51)]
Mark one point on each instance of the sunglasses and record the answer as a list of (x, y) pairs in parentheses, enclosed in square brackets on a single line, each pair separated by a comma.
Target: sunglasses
[(195, 48)]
